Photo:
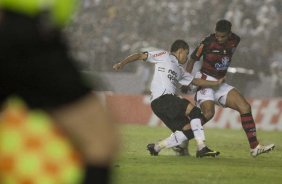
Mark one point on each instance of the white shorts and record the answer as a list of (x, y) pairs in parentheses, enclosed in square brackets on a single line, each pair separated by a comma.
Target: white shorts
[(217, 95)]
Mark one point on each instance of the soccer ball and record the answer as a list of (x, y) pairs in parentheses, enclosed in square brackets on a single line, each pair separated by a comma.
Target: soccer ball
[(182, 149), (33, 150)]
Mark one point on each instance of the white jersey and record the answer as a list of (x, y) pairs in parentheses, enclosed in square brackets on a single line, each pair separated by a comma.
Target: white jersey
[(169, 75)]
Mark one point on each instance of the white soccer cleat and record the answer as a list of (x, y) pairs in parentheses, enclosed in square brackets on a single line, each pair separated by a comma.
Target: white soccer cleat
[(261, 149)]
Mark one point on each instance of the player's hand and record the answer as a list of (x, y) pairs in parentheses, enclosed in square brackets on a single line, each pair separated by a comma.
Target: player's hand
[(118, 66), (184, 89), (190, 89)]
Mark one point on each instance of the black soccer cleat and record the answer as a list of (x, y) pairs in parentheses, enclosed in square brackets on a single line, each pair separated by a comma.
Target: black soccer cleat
[(205, 152), (151, 149)]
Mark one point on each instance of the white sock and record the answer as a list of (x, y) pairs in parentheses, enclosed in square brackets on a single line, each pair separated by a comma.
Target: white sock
[(174, 139), (199, 133)]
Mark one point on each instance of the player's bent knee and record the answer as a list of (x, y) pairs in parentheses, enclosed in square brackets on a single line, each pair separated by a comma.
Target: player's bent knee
[(208, 115), (195, 113), (246, 108)]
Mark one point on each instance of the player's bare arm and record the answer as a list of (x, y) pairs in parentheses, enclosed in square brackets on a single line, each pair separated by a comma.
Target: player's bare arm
[(129, 59), (207, 83), (190, 65)]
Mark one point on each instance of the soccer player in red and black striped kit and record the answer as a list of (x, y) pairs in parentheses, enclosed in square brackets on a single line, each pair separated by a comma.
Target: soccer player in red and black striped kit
[(217, 50)]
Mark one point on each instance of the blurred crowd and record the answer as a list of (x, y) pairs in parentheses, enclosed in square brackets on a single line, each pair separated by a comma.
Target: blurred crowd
[(107, 30)]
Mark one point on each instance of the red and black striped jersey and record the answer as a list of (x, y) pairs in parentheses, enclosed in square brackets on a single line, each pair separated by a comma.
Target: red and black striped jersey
[(216, 56)]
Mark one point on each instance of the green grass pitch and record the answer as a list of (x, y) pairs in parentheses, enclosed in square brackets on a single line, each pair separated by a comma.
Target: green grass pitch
[(234, 165)]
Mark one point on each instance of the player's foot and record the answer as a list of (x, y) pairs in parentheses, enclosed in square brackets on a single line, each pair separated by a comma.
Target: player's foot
[(262, 149), (206, 152), (182, 149), (151, 149)]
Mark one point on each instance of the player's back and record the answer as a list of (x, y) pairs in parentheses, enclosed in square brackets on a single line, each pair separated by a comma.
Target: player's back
[(167, 73)]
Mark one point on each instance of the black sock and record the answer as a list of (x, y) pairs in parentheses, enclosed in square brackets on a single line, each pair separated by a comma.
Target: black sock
[(189, 133), (203, 119), (96, 175)]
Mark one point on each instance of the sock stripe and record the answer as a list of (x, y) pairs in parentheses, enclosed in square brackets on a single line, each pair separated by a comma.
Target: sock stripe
[(249, 125), (253, 139), (247, 122), (175, 138), (247, 118), (251, 135), (247, 114)]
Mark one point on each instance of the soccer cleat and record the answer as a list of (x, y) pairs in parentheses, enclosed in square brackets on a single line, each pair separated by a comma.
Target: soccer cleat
[(151, 149), (206, 152), (262, 149)]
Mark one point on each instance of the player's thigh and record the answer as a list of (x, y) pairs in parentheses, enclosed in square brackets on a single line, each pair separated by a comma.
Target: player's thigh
[(221, 94), (235, 100), (176, 116), (171, 110), (203, 95)]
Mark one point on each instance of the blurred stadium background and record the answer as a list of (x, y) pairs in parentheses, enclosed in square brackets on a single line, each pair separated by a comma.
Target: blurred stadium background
[(105, 31)]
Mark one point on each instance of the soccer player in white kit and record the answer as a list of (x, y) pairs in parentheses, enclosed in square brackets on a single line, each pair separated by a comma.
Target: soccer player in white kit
[(174, 111)]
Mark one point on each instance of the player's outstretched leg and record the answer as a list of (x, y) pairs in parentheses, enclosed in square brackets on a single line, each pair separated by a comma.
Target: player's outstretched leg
[(261, 149), (205, 152), (174, 139)]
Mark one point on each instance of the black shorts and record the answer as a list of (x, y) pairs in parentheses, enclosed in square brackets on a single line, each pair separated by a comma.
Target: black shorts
[(171, 110)]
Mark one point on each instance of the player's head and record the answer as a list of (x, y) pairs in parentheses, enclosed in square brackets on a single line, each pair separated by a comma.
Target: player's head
[(180, 49), (223, 26), (222, 30), (58, 11)]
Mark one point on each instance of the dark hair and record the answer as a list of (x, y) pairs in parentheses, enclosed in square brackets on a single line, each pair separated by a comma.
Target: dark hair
[(223, 26), (179, 44)]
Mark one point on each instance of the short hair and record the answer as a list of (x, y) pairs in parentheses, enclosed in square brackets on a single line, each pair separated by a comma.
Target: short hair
[(223, 26), (179, 44)]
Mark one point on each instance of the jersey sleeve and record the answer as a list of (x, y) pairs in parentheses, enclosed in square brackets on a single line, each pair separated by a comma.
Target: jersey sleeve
[(198, 52), (186, 78), (157, 56)]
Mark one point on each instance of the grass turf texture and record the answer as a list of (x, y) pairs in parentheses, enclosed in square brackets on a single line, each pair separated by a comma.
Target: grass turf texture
[(233, 166)]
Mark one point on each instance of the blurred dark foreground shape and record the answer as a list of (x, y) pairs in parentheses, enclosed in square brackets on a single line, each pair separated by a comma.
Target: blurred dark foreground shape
[(35, 66)]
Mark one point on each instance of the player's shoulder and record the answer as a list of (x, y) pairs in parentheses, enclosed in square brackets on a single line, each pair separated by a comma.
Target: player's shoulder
[(235, 37), (158, 53), (158, 56), (208, 39)]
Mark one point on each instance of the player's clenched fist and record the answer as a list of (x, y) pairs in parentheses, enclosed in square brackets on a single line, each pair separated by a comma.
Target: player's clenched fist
[(118, 66)]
